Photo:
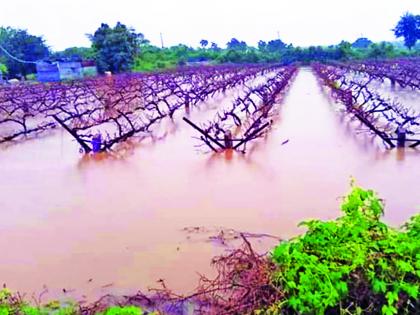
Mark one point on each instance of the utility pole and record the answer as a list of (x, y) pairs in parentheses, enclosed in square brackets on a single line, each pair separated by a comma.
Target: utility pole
[(161, 39)]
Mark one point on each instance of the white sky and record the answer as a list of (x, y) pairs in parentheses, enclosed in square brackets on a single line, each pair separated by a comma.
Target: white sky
[(64, 23)]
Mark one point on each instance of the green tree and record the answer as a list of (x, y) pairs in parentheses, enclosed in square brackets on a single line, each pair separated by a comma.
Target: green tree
[(84, 53), (408, 27), (275, 45), (215, 47), (382, 50), (362, 43), (262, 45), (344, 50), (115, 48), (21, 46), (235, 44), (204, 43)]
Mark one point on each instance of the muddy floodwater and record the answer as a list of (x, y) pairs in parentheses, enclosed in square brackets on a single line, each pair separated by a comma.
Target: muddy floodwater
[(97, 225)]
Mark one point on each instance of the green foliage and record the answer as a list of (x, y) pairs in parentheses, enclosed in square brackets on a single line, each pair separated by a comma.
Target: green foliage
[(408, 27), (235, 44), (204, 43), (382, 50), (362, 43), (84, 53), (121, 49), (14, 305), (89, 72), (356, 262), (115, 48), (6, 304), (31, 77), (22, 45), (11, 304), (125, 310), (3, 68), (153, 58)]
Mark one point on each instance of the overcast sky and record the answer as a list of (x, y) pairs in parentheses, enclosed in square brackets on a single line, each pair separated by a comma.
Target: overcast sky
[(64, 23)]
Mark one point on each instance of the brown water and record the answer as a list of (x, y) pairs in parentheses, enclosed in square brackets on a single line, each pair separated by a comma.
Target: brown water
[(407, 96), (114, 225)]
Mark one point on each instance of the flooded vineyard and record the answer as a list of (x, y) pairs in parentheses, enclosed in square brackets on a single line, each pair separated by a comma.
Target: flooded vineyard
[(115, 223)]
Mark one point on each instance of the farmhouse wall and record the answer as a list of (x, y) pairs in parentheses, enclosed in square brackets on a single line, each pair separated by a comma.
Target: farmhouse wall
[(70, 70), (47, 72)]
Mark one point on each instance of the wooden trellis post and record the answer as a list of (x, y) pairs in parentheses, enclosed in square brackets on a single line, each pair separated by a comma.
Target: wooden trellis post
[(228, 140), (401, 137)]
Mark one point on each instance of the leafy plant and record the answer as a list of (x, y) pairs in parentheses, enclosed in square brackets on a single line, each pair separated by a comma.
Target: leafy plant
[(125, 310), (353, 264), (3, 69), (11, 304)]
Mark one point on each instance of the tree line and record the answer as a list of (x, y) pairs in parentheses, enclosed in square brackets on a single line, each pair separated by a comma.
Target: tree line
[(122, 49)]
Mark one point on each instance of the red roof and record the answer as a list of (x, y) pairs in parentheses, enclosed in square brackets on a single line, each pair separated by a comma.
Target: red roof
[(88, 63)]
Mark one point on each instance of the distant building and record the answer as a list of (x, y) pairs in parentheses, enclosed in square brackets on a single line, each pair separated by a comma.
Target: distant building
[(70, 70), (197, 61), (89, 68), (48, 71)]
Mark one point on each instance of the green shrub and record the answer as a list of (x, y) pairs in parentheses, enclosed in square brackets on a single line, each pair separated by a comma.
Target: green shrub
[(31, 77), (351, 265), (3, 69), (125, 310)]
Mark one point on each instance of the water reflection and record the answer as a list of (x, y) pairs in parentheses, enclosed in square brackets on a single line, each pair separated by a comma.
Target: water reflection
[(400, 154), (117, 218)]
